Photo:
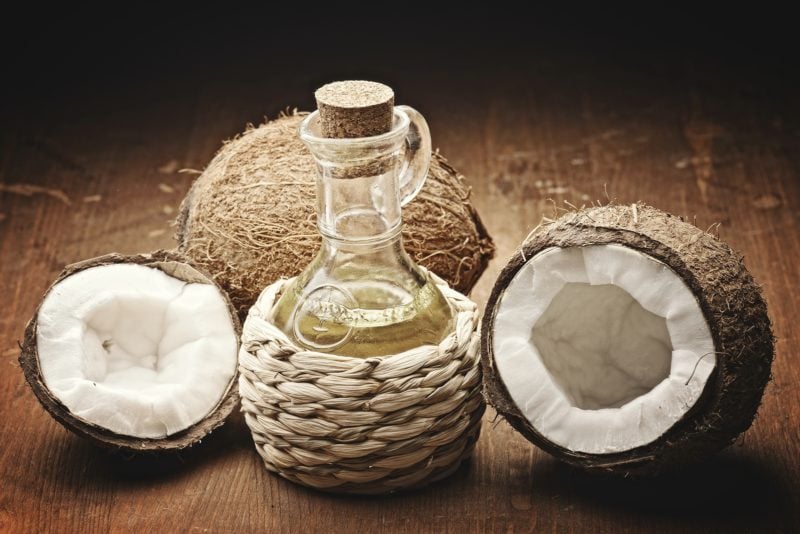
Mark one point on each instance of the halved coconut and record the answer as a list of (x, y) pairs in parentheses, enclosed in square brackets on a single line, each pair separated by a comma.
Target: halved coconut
[(134, 352), (623, 339)]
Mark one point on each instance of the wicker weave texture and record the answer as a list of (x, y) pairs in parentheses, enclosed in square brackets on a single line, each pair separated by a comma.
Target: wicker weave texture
[(357, 425)]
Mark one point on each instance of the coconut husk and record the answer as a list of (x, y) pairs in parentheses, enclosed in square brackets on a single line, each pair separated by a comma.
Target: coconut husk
[(729, 298), (177, 266), (250, 218)]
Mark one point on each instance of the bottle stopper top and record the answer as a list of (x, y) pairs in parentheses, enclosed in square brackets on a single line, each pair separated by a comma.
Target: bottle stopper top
[(355, 108)]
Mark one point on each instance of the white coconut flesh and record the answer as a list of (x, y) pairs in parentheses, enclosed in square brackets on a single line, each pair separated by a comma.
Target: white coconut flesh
[(134, 350), (602, 348)]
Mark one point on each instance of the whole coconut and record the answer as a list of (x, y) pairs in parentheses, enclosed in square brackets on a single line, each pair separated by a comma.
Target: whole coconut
[(250, 217)]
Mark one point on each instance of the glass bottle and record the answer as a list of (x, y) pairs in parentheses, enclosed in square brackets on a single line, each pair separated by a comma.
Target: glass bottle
[(362, 295)]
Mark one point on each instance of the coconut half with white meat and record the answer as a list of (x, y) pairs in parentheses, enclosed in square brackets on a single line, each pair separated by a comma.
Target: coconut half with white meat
[(623, 339), (134, 352)]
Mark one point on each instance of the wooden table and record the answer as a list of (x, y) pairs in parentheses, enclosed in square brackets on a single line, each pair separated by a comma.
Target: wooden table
[(90, 149)]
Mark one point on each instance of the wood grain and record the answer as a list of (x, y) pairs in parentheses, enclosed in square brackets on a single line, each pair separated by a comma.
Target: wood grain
[(532, 132)]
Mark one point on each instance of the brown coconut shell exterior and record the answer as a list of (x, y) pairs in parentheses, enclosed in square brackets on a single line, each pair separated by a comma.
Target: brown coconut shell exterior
[(730, 300), (250, 218), (177, 266)]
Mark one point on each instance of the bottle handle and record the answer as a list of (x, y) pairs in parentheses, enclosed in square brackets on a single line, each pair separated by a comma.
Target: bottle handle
[(417, 158)]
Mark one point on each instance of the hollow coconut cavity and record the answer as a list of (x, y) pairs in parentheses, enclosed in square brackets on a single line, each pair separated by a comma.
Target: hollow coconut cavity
[(249, 218), (623, 339), (134, 352)]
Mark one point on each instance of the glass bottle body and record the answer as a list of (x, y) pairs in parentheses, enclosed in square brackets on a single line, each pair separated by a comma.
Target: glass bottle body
[(362, 295)]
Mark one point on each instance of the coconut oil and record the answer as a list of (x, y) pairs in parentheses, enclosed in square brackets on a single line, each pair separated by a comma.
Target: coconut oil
[(365, 317)]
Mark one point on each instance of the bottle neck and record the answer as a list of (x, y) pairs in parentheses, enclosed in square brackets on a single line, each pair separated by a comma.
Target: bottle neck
[(381, 257), (360, 222), (389, 243), (358, 210)]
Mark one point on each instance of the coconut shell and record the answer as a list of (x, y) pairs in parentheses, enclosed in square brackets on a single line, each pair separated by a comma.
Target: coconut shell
[(731, 303), (250, 218), (177, 266)]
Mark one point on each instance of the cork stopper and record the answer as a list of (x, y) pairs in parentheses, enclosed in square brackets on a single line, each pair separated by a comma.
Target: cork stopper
[(355, 108)]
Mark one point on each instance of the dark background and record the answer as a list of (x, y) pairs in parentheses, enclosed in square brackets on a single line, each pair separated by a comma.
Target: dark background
[(77, 56), (694, 110)]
